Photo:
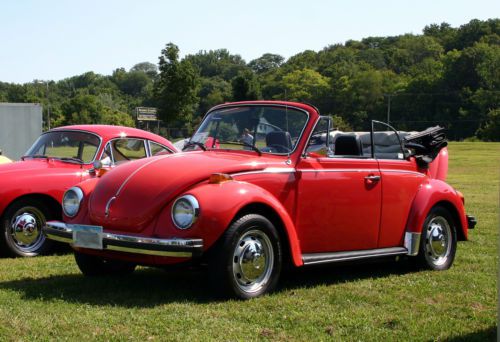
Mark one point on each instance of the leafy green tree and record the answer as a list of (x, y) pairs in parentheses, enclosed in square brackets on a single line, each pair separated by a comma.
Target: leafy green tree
[(305, 85), (111, 116), (245, 87), (148, 68), (443, 33), (266, 63), (218, 63), (83, 109), (303, 60), (132, 83), (213, 91), (490, 130), (176, 89)]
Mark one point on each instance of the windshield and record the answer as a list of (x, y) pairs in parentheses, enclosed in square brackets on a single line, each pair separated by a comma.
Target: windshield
[(70, 145), (266, 129)]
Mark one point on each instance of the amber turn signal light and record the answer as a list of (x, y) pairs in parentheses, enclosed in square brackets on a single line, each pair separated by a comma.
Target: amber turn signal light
[(217, 178)]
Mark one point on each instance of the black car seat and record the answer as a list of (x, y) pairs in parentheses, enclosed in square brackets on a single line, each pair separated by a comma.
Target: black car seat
[(348, 145), (279, 141)]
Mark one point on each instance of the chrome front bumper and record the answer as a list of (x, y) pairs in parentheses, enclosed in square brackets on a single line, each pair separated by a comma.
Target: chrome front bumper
[(181, 248)]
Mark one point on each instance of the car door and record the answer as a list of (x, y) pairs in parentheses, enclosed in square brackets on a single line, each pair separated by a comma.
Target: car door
[(339, 202), (400, 179)]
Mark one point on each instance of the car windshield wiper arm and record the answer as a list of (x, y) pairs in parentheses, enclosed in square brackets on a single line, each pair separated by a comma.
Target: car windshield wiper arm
[(71, 159), (243, 144), (195, 143), (35, 156)]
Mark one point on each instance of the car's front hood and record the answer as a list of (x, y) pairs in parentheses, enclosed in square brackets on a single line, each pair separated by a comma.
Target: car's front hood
[(34, 167), (130, 196)]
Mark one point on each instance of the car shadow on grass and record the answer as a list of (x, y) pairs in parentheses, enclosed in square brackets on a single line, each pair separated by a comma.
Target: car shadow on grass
[(329, 274), (489, 334), (149, 287)]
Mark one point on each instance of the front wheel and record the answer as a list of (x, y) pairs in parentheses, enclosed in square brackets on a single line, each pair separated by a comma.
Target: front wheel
[(248, 261), (92, 266), (438, 242), (22, 224)]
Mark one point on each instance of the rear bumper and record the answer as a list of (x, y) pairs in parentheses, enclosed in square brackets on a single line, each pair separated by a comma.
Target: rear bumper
[(471, 221), (181, 248)]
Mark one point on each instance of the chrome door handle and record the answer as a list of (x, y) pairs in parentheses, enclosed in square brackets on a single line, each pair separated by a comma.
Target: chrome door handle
[(372, 178)]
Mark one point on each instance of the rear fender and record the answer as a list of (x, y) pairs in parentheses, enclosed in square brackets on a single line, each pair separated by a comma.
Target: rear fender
[(438, 169), (220, 203), (437, 192)]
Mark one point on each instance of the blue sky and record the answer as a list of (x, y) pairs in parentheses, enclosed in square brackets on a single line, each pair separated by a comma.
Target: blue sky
[(55, 39)]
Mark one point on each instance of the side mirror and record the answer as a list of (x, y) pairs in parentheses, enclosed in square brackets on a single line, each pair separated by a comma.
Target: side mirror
[(97, 165), (104, 162)]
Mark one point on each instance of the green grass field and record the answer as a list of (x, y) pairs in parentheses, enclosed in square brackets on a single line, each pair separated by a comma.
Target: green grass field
[(47, 298)]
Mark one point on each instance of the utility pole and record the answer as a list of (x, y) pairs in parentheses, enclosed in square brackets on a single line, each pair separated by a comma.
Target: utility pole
[(48, 100), (388, 107)]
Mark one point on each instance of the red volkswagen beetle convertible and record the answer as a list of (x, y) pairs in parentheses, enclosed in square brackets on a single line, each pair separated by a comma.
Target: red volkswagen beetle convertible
[(31, 189), (266, 183)]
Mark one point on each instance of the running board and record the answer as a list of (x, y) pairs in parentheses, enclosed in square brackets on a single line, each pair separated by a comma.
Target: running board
[(323, 258)]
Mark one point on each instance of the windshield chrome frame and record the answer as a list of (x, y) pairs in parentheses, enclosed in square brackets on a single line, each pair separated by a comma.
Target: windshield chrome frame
[(257, 105), (73, 130)]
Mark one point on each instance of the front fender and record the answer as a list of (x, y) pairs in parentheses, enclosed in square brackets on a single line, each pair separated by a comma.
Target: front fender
[(82, 217), (431, 193), (220, 203)]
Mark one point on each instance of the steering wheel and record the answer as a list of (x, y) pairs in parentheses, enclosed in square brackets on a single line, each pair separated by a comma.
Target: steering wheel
[(279, 148)]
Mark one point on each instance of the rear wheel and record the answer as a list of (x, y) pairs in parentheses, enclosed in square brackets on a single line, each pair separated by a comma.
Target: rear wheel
[(248, 262), (91, 265), (22, 225), (438, 242)]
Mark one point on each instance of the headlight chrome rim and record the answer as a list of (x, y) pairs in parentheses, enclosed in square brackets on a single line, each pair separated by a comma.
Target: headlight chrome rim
[(79, 196), (195, 207)]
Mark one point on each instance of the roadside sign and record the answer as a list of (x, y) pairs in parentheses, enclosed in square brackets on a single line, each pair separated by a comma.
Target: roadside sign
[(146, 114)]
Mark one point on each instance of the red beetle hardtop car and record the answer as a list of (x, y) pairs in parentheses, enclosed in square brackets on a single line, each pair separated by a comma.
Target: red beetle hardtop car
[(31, 189), (264, 183)]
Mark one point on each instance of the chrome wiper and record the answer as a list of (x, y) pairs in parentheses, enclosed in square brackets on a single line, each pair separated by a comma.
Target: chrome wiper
[(243, 144), (195, 143), (71, 159)]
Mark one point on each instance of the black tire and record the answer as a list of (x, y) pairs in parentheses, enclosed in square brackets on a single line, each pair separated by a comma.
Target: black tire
[(94, 266), (438, 241), (21, 224), (246, 263)]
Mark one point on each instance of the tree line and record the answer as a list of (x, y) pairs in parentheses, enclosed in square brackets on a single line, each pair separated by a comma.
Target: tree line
[(446, 75)]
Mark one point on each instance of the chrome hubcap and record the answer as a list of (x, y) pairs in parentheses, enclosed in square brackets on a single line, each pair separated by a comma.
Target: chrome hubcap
[(253, 260), (438, 240), (26, 229)]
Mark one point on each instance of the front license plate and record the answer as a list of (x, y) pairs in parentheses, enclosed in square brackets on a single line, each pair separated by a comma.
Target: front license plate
[(87, 236)]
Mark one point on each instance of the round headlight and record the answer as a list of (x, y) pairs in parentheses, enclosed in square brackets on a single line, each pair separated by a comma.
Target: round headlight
[(71, 201), (185, 211)]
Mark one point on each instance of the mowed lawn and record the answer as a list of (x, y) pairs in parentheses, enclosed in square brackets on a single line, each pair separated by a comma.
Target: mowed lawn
[(47, 298)]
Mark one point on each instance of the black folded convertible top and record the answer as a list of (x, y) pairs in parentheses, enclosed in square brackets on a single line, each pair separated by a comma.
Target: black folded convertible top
[(426, 144)]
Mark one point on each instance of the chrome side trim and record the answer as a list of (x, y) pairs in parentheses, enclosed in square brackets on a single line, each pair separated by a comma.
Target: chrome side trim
[(267, 170), (402, 171), (181, 248), (324, 258), (142, 251), (412, 243), (340, 170)]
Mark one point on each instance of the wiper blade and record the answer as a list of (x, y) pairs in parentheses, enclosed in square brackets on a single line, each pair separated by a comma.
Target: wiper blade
[(71, 159), (243, 144), (35, 156), (195, 143)]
